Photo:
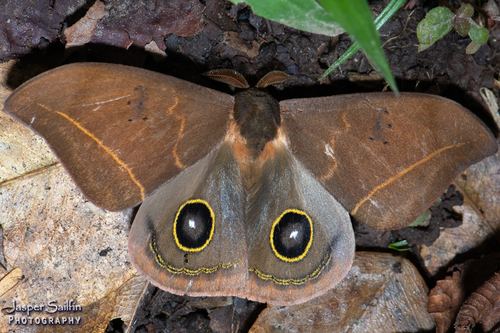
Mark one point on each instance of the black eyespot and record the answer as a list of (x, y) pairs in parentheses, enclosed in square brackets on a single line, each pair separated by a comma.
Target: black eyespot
[(291, 235), (194, 225)]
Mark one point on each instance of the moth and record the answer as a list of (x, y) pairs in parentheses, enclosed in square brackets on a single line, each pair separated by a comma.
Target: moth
[(244, 195)]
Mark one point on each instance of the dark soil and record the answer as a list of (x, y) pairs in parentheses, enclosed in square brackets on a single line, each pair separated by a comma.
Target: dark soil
[(256, 46)]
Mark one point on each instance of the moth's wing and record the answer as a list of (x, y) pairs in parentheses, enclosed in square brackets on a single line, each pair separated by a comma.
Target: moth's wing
[(385, 158), (300, 239), (121, 131), (191, 259)]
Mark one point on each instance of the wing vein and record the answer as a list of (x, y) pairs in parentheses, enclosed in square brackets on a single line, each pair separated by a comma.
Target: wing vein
[(103, 146), (400, 174)]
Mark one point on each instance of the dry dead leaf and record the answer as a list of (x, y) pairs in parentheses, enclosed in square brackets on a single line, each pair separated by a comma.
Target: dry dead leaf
[(491, 101), (68, 249), (121, 303), (233, 40), (157, 53), (21, 150), (462, 280), (446, 298), (82, 31), (481, 307), (473, 233), (10, 280), (381, 293), (151, 21)]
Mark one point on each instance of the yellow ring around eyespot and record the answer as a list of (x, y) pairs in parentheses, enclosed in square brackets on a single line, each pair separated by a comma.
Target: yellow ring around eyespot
[(296, 211), (187, 249)]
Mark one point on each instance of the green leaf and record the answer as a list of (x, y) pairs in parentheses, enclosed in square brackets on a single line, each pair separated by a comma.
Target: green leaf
[(477, 34), (437, 23), (472, 48), (355, 17), (421, 219), (397, 245), (307, 15), (384, 16), (324, 17), (422, 47), (465, 11), (462, 26)]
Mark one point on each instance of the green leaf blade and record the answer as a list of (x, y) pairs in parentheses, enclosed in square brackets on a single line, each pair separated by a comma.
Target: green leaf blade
[(466, 11), (462, 26), (398, 246), (472, 48), (307, 15), (477, 34), (324, 17), (355, 17), (421, 219), (384, 16)]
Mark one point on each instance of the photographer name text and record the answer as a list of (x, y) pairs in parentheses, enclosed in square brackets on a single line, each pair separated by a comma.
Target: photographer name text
[(32, 314)]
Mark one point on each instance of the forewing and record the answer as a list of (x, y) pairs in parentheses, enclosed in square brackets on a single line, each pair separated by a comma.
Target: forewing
[(121, 131), (385, 158)]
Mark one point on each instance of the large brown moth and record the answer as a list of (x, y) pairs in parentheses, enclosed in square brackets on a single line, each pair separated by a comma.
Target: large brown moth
[(257, 194)]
